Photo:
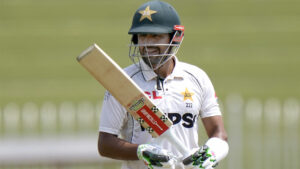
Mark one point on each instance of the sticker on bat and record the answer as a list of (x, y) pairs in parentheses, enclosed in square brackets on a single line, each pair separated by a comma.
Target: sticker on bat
[(152, 120), (137, 104)]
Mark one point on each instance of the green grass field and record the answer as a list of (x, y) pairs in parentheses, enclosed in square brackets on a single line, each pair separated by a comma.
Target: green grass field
[(247, 47)]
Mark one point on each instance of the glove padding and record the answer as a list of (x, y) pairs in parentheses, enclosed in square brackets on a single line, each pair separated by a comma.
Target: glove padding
[(208, 156), (155, 157), (202, 158)]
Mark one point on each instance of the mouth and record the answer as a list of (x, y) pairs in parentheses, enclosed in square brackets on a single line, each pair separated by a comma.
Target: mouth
[(151, 56), (151, 51)]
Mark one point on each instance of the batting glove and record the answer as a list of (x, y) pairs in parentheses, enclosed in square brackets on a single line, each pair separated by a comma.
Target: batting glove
[(155, 157), (207, 156)]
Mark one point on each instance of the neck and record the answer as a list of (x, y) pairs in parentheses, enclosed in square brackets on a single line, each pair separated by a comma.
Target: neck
[(166, 69)]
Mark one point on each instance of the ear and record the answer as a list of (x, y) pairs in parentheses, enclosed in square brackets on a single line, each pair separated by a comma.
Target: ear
[(134, 39)]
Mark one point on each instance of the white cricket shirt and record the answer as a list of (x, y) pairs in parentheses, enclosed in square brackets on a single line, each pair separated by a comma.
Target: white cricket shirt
[(186, 94)]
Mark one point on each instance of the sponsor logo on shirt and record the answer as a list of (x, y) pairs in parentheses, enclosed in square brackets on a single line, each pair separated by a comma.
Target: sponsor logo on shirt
[(187, 120), (153, 95)]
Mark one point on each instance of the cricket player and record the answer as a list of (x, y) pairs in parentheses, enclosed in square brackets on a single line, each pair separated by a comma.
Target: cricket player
[(182, 91)]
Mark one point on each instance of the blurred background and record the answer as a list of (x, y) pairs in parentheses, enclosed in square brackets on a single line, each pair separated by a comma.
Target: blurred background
[(50, 106)]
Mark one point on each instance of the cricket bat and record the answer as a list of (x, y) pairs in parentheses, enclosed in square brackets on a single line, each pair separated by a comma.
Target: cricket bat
[(113, 78)]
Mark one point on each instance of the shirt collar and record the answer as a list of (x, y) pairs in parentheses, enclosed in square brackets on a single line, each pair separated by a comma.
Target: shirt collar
[(149, 74)]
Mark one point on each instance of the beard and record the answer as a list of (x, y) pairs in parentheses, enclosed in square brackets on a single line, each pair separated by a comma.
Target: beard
[(153, 61)]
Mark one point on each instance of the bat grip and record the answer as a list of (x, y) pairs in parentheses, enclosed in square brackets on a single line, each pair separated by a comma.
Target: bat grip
[(169, 135)]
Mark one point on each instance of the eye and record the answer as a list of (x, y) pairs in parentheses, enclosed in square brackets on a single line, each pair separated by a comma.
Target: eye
[(142, 35), (157, 36), (141, 38)]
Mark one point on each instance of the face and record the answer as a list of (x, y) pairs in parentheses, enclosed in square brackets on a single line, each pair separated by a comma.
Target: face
[(152, 39)]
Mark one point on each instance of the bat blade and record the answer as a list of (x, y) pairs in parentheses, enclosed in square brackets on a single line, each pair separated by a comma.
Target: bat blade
[(112, 77)]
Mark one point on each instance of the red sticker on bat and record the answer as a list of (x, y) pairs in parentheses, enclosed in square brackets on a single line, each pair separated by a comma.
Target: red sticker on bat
[(152, 120)]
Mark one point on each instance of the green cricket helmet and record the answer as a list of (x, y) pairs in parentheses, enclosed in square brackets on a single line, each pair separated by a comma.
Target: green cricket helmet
[(155, 17)]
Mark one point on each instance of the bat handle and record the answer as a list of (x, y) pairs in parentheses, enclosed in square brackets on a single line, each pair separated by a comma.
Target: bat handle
[(170, 136)]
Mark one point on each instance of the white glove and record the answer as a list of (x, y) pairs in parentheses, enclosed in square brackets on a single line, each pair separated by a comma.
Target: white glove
[(207, 156), (155, 157)]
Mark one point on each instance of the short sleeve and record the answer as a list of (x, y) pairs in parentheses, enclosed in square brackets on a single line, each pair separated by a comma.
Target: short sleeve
[(113, 115), (210, 106)]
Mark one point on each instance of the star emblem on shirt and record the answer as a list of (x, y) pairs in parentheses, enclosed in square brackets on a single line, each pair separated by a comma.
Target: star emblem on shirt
[(147, 13), (187, 95)]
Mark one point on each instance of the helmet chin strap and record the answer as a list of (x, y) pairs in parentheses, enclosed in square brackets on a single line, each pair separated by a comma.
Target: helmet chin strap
[(158, 81), (160, 77)]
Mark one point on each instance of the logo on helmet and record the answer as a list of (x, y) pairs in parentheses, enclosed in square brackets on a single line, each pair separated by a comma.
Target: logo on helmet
[(147, 13)]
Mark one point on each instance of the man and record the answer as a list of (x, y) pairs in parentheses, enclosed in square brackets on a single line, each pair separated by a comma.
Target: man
[(180, 90)]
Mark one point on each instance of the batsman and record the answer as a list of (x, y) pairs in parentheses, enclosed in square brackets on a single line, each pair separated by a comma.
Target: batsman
[(182, 91)]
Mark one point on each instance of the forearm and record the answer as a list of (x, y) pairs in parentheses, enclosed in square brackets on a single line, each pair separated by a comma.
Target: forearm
[(219, 133), (214, 127), (113, 147)]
